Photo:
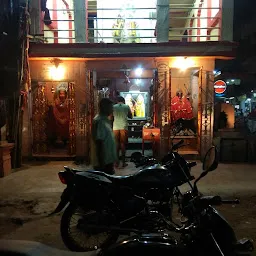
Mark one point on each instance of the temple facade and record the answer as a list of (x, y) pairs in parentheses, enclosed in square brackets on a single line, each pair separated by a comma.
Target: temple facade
[(159, 57)]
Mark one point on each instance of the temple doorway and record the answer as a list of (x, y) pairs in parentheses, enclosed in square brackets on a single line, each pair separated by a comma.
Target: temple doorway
[(136, 89), (53, 119)]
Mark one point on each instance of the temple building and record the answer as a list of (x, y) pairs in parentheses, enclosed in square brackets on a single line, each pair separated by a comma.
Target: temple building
[(158, 54)]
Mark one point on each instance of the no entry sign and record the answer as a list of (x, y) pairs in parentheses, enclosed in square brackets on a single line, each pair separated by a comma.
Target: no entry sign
[(220, 86)]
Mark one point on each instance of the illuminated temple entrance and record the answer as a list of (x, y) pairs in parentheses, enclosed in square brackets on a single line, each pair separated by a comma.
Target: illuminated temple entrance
[(167, 93), (135, 86)]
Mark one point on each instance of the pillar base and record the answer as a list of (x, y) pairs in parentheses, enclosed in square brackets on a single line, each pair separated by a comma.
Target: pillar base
[(5, 158)]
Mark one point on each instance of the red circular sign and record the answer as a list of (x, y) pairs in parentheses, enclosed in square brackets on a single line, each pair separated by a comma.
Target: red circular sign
[(220, 87)]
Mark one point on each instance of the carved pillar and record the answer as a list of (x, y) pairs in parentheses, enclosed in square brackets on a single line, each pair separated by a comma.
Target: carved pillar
[(163, 105), (72, 119), (205, 110), (81, 116)]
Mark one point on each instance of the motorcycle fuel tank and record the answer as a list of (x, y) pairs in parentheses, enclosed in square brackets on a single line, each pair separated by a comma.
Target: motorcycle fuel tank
[(156, 176), (151, 176)]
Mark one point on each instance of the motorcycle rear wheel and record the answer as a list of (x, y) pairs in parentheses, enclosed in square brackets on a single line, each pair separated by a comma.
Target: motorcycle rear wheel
[(80, 240)]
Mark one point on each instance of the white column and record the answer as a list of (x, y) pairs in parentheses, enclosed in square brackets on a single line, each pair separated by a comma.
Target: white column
[(227, 20), (162, 24), (80, 20)]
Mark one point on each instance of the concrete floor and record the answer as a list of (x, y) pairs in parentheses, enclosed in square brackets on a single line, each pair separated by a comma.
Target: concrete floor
[(42, 177), (33, 191)]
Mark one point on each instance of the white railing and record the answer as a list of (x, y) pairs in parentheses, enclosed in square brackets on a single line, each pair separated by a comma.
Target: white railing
[(195, 22)]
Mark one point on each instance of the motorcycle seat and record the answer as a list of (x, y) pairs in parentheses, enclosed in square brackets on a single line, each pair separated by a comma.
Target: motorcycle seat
[(115, 178)]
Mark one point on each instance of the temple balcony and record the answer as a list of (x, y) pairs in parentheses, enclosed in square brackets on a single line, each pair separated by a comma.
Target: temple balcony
[(151, 21)]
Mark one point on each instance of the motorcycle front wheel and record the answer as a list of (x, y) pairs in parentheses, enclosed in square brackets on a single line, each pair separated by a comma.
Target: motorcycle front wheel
[(76, 237)]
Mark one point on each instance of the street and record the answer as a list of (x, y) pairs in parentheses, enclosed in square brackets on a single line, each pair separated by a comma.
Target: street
[(31, 193)]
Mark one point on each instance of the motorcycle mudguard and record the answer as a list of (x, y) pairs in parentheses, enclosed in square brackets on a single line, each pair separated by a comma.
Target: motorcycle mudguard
[(219, 232), (65, 199), (146, 244), (221, 229)]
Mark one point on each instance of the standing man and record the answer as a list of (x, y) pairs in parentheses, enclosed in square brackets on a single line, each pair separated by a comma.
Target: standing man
[(120, 126), (103, 147)]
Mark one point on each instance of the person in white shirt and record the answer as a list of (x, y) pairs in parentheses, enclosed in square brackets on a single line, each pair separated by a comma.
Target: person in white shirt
[(121, 113)]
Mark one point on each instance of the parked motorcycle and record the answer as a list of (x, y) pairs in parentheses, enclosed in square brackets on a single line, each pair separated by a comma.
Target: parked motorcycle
[(204, 230), (108, 205)]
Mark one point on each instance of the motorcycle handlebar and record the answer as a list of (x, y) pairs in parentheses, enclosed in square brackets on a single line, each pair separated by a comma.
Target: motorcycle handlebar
[(236, 201), (216, 200), (177, 145)]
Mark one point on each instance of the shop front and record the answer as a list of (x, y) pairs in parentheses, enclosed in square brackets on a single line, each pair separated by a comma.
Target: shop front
[(169, 92)]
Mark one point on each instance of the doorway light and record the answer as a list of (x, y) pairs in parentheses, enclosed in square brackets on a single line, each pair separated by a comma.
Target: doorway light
[(56, 71), (138, 71), (183, 63)]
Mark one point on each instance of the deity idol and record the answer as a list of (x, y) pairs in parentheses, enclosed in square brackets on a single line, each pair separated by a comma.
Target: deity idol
[(140, 107), (129, 102), (181, 107), (59, 123)]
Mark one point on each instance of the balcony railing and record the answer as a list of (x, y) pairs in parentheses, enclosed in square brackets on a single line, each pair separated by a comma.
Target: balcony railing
[(193, 22), (199, 21)]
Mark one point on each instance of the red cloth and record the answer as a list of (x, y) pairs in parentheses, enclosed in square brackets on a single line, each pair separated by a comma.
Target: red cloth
[(181, 108)]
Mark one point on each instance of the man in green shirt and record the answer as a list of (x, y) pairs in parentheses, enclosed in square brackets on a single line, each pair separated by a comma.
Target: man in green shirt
[(120, 127), (103, 147)]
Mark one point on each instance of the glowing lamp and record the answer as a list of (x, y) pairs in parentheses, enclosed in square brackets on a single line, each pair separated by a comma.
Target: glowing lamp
[(57, 72), (183, 63), (138, 71)]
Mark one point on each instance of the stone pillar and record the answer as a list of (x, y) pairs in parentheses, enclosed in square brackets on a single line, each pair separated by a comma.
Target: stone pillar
[(162, 23), (80, 21), (227, 20), (163, 105)]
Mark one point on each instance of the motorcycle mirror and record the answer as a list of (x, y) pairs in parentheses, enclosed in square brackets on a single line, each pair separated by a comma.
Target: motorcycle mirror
[(210, 162)]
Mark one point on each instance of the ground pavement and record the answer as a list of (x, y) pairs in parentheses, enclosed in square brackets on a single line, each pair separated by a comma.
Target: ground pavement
[(33, 191)]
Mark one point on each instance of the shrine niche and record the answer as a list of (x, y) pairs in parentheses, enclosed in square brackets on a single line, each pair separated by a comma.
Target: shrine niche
[(54, 118), (184, 102)]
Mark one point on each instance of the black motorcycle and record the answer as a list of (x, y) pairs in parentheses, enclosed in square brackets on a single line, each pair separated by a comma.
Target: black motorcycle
[(105, 206), (204, 230)]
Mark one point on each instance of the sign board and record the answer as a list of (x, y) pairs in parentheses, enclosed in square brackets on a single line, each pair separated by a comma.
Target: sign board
[(220, 86)]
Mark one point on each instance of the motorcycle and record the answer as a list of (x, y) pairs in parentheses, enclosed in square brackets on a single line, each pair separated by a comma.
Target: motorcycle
[(204, 232), (108, 205)]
